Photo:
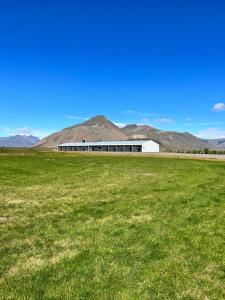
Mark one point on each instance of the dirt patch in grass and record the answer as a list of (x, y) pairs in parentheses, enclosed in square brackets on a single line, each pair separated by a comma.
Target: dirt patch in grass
[(147, 174)]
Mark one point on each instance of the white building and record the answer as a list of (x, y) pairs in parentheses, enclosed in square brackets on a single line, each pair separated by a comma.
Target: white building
[(112, 146)]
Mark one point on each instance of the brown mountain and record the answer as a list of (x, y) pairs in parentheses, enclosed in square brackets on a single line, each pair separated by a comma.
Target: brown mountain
[(95, 129), (137, 132), (168, 140), (100, 129)]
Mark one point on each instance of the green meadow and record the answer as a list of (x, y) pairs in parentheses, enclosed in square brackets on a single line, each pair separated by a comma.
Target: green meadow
[(95, 226)]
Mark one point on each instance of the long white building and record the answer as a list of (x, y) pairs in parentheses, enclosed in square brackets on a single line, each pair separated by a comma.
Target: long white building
[(112, 146)]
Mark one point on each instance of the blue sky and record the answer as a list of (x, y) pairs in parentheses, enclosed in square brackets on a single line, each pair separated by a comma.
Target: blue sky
[(155, 62)]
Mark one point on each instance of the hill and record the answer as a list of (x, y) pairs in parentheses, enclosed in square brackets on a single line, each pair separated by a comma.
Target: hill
[(18, 141), (169, 140), (217, 143), (99, 128), (95, 129)]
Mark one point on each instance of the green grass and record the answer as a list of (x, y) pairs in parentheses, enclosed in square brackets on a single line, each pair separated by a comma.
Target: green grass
[(111, 227)]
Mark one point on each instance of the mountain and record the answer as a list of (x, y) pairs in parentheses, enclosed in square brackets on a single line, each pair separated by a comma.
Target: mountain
[(169, 140), (137, 132), (217, 144), (18, 141), (95, 129), (101, 129)]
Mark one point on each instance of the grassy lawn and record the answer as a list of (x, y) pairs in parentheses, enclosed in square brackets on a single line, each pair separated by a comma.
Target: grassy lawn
[(78, 226)]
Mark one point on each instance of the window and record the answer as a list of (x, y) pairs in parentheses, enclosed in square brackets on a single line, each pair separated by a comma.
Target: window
[(112, 148), (120, 148), (137, 148), (128, 148)]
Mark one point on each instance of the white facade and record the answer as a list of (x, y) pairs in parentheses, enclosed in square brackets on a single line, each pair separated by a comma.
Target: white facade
[(150, 146), (146, 146)]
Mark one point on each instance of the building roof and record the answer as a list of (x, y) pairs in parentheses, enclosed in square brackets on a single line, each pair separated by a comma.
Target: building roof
[(108, 143)]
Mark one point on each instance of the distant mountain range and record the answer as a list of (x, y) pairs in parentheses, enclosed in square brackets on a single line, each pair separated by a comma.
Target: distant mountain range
[(99, 128), (18, 141), (217, 144)]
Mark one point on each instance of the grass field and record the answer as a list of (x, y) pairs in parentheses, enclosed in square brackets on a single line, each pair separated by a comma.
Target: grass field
[(79, 226)]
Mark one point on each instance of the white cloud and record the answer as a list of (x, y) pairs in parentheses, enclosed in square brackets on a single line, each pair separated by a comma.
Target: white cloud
[(219, 107), (76, 118), (146, 117), (139, 113), (211, 133), (188, 119), (41, 133), (145, 120), (120, 124), (163, 120), (204, 124)]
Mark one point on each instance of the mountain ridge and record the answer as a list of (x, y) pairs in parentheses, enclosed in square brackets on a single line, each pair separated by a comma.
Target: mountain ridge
[(18, 141), (99, 128), (218, 143)]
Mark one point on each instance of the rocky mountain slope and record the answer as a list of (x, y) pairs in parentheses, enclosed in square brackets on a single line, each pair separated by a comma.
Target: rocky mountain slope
[(18, 141), (100, 129), (169, 140), (217, 143), (95, 129)]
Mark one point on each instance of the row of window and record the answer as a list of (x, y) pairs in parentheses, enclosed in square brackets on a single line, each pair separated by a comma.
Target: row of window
[(119, 148)]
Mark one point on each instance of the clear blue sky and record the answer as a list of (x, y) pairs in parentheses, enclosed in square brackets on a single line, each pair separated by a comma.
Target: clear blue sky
[(155, 62)]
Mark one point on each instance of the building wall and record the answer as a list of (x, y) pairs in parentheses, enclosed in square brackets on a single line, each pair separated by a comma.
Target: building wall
[(150, 146)]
